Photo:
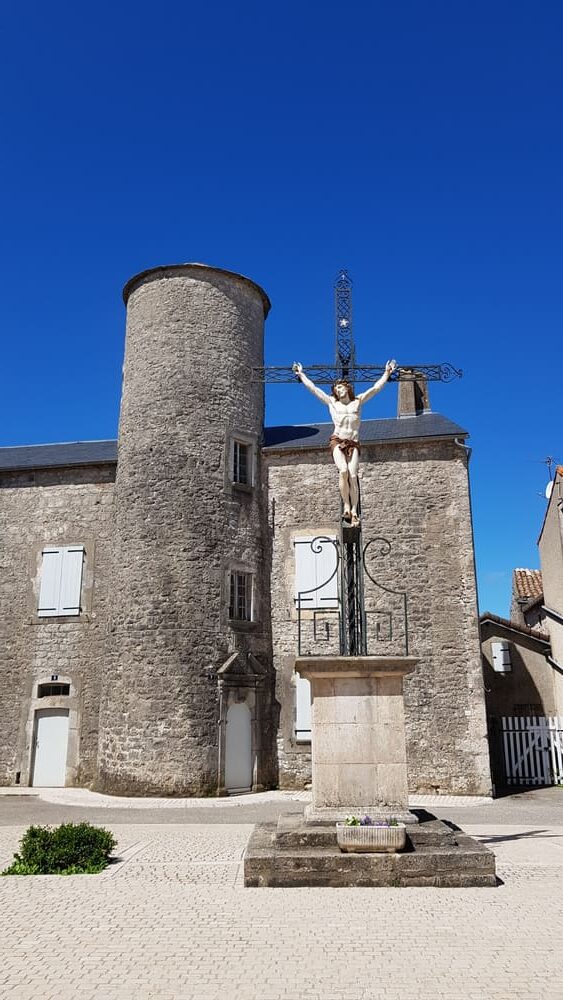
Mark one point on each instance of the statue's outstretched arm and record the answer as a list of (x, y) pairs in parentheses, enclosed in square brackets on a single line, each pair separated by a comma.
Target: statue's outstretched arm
[(389, 369), (323, 396)]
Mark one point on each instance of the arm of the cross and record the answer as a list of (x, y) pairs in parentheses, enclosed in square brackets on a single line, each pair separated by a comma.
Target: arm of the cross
[(327, 374)]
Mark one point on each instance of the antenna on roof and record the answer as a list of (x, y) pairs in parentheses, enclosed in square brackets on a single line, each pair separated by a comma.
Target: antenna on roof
[(549, 461)]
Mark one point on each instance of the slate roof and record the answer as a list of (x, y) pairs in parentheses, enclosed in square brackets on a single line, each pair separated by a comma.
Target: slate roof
[(47, 456), (427, 425), (286, 438), (528, 584)]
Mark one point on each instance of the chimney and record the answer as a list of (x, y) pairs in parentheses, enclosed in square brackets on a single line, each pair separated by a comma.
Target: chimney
[(413, 394)]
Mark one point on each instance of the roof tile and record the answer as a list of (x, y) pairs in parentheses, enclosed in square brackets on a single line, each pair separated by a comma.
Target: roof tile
[(527, 583)]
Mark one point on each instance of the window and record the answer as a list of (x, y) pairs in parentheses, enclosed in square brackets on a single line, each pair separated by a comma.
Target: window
[(242, 463), (502, 663), (302, 709), (316, 577), (51, 690), (61, 581), (240, 600)]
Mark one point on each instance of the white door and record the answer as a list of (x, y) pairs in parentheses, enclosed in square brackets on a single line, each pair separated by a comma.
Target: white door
[(51, 743), (238, 749)]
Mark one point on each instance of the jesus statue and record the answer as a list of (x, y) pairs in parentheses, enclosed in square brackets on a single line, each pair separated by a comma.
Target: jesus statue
[(344, 407)]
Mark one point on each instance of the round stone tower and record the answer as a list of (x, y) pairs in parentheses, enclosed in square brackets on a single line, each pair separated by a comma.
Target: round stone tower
[(190, 570)]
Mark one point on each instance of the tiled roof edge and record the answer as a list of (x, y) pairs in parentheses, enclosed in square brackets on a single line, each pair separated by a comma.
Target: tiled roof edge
[(488, 616)]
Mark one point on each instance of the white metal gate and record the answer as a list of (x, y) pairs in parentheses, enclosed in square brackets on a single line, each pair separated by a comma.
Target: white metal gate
[(533, 749)]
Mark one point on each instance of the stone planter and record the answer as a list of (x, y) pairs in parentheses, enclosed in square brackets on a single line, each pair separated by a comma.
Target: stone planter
[(363, 839)]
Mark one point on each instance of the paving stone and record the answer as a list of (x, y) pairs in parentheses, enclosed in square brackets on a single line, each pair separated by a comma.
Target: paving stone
[(145, 934)]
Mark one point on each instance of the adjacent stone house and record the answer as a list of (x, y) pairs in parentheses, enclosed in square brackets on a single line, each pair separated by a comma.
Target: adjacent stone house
[(517, 675), (149, 585), (550, 543), (536, 612), (523, 663), (526, 605)]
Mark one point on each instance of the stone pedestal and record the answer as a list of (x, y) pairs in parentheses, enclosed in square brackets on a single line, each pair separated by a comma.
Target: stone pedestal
[(360, 766), (358, 736)]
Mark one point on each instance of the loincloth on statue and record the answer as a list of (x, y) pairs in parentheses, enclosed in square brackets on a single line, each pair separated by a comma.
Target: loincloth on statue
[(346, 446)]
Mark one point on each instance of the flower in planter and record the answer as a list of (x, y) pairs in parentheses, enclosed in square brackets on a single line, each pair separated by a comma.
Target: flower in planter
[(360, 821), (368, 821), (352, 821)]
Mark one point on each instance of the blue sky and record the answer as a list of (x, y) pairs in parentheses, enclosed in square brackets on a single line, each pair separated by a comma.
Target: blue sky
[(418, 145)]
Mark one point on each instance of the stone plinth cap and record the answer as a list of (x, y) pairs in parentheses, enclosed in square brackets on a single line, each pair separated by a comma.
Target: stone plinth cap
[(168, 270), (354, 666)]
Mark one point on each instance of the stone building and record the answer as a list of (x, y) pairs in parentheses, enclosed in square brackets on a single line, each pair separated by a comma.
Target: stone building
[(150, 586), (550, 544), (516, 671), (526, 603)]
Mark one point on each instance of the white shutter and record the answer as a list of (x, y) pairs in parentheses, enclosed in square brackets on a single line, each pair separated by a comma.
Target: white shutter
[(51, 570), (325, 568), (71, 580), (304, 571), (502, 662), (61, 581), (302, 708), (314, 568)]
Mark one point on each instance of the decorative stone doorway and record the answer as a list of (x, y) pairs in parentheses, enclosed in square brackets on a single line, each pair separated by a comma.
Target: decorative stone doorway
[(241, 765)]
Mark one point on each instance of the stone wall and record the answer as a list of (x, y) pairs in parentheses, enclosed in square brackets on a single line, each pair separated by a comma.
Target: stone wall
[(37, 509), (417, 496)]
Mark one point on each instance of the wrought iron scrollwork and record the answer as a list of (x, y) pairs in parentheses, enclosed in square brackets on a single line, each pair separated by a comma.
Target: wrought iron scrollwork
[(316, 545), (327, 374), (385, 550), (355, 637)]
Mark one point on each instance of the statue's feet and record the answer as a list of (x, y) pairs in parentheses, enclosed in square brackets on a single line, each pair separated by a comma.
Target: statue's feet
[(347, 516), (355, 521)]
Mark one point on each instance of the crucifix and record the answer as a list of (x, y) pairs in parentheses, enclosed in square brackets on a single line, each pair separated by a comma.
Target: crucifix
[(345, 408), (343, 403)]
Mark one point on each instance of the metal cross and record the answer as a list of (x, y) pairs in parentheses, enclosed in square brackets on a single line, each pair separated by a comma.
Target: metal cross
[(345, 365)]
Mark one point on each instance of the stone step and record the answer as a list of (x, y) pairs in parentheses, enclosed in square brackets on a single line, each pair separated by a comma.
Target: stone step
[(292, 832)]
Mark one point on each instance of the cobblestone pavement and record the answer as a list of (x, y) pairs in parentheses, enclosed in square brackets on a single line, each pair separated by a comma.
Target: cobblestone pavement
[(173, 920)]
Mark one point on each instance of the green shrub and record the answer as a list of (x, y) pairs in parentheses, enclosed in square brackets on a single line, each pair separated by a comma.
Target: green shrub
[(69, 849)]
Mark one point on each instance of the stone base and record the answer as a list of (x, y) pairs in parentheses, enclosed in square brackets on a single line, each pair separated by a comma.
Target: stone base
[(296, 853), (332, 816), (358, 748)]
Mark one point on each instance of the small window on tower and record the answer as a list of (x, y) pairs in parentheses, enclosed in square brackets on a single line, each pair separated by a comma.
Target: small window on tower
[(242, 463), (240, 600), (53, 690)]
